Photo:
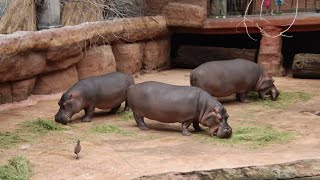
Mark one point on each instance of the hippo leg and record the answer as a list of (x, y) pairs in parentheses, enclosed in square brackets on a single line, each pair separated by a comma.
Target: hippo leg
[(196, 126), (88, 113), (185, 126), (126, 106), (114, 110), (242, 97), (140, 122)]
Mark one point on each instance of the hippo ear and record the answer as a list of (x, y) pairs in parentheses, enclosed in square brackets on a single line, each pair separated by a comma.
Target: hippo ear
[(70, 96)]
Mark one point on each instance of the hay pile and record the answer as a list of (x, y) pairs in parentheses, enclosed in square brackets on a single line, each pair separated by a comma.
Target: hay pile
[(75, 12), (18, 15)]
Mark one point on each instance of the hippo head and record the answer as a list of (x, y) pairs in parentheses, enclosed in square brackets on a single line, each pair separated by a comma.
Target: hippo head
[(69, 105), (217, 122), (266, 87)]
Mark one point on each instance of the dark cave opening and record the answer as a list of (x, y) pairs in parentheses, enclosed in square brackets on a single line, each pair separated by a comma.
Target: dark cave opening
[(191, 50), (299, 42)]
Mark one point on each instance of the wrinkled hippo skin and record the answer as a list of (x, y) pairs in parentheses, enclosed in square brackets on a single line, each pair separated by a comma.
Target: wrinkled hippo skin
[(185, 104), (237, 76), (104, 92)]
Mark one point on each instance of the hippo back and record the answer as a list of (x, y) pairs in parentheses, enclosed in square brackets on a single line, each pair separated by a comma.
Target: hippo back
[(223, 78)]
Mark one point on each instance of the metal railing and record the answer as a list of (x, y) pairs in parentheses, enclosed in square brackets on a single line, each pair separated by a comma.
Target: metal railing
[(238, 7)]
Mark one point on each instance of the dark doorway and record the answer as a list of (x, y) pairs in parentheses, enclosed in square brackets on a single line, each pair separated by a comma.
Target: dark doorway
[(191, 50)]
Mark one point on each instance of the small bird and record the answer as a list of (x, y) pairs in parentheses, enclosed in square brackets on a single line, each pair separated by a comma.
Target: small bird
[(77, 149)]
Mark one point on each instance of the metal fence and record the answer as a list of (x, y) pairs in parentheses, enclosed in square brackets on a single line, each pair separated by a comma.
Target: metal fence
[(237, 7)]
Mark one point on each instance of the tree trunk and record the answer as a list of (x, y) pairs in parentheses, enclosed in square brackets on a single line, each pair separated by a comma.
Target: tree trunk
[(306, 66)]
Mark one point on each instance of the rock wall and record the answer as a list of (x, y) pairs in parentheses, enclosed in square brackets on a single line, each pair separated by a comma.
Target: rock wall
[(51, 61), (180, 13), (301, 169)]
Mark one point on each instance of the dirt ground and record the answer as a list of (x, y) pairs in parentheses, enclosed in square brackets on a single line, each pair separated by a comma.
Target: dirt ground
[(163, 148)]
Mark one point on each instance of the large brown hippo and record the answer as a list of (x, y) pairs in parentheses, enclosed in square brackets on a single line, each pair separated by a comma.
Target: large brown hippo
[(104, 92), (185, 104), (240, 76)]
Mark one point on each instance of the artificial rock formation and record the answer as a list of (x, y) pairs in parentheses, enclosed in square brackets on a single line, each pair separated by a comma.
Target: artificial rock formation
[(21, 66), (5, 93), (129, 57), (301, 169), (270, 52), (179, 13), (156, 54), (22, 89), (96, 61), (55, 82)]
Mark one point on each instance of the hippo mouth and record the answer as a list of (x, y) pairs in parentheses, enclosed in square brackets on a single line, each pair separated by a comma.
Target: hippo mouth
[(221, 132), (64, 119), (214, 130)]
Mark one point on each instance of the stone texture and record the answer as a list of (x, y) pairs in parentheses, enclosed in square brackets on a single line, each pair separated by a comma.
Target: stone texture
[(156, 54), (61, 53), (96, 61), (131, 29), (56, 82), (154, 7), (69, 61), (128, 57), (21, 66), (186, 13), (5, 93), (22, 89), (270, 53), (301, 169)]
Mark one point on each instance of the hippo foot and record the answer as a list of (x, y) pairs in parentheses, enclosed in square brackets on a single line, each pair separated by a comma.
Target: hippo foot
[(199, 129), (245, 101), (186, 133), (144, 128), (126, 109), (86, 119)]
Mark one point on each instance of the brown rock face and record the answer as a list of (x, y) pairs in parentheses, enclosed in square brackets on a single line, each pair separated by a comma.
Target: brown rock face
[(55, 82), (186, 13), (156, 54), (270, 55), (96, 61), (61, 53), (21, 66), (56, 65), (22, 89), (5, 93), (129, 57)]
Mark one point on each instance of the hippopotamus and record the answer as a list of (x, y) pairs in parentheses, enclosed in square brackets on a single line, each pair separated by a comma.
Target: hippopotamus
[(107, 91), (237, 76), (171, 103)]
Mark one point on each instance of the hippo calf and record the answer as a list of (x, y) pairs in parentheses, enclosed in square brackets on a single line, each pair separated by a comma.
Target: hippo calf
[(240, 76), (104, 92), (185, 104)]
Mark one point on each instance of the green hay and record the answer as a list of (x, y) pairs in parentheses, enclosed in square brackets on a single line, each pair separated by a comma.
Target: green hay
[(9, 139), (42, 126), (253, 137), (19, 168), (109, 129), (126, 116), (284, 100)]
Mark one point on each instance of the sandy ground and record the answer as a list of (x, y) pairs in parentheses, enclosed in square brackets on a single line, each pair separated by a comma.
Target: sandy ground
[(163, 148)]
